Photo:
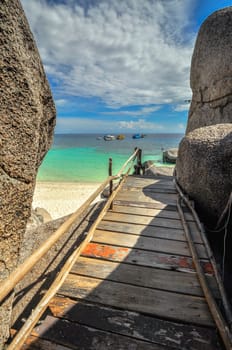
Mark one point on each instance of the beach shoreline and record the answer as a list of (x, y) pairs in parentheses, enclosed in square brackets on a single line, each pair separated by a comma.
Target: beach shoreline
[(62, 198)]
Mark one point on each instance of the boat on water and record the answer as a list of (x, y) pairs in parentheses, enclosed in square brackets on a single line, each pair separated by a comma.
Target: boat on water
[(120, 137), (138, 136), (99, 138), (109, 137)]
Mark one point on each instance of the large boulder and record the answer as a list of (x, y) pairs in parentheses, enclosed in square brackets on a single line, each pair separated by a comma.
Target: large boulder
[(204, 168), (204, 165), (211, 72), (27, 119)]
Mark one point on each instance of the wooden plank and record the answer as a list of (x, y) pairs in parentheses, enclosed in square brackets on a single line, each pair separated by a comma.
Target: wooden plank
[(150, 230), (143, 220), (159, 224), (149, 301), (144, 204), (143, 230), (141, 197), (151, 188), (147, 196), (146, 181), (147, 243), (186, 283), (143, 258), (78, 336), (168, 214), (35, 343), (135, 325)]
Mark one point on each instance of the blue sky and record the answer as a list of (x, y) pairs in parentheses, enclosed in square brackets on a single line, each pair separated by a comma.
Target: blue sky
[(119, 65)]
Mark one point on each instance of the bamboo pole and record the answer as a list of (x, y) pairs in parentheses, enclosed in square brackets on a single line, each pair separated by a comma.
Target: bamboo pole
[(215, 311), (132, 157), (25, 331), (111, 182), (18, 274), (220, 285)]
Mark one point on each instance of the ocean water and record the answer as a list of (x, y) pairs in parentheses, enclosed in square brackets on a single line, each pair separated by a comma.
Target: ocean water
[(84, 158)]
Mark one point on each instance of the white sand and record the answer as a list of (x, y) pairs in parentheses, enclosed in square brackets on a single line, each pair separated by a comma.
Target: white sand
[(62, 198)]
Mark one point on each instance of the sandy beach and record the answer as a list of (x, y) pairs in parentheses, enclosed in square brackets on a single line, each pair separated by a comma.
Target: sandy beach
[(62, 198)]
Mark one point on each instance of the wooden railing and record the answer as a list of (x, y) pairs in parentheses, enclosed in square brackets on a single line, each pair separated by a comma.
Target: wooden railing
[(19, 273)]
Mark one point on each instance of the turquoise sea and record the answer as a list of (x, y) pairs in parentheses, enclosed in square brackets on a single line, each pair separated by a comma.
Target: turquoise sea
[(84, 158)]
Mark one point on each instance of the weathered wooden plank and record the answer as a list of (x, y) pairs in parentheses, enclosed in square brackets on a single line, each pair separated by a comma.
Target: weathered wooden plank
[(151, 188), (144, 204), (149, 301), (35, 343), (168, 214), (143, 257), (181, 282), (150, 231), (143, 220), (156, 222), (135, 325), (143, 230), (147, 196), (78, 336), (146, 181), (147, 243)]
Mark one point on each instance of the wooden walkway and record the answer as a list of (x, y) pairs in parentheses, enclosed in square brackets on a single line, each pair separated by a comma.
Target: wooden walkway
[(134, 286)]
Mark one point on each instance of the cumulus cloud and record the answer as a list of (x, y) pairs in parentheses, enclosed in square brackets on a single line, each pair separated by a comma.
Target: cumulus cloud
[(61, 102), (125, 52), (75, 125), (145, 111)]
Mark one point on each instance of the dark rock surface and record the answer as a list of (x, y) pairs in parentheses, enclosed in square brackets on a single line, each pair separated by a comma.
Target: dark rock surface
[(205, 168), (27, 119), (170, 155), (204, 160), (38, 217), (157, 171), (211, 72)]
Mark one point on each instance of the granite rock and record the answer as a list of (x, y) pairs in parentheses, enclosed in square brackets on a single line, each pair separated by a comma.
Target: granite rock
[(204, 165), (211, 72), (204, 169), (27, 119), (170, 155)]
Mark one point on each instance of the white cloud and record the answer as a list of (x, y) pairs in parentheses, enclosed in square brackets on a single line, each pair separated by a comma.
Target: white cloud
[(182, 107), (61, 102), (84, 125), (140, 125), (126, 52), (145, 111)]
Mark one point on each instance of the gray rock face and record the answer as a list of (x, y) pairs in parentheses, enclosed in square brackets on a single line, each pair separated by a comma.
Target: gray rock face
[(211, 72), (204, 168), (170, 155), (27, 119), (204, 165)]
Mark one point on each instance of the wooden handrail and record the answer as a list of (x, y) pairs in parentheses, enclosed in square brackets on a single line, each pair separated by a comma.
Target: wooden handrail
[(17, 275), (24, 332), (213, 307), (132, 157)]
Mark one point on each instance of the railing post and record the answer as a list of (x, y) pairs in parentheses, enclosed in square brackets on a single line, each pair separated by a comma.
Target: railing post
[(111, 181), (138, 167), (141, 167)]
